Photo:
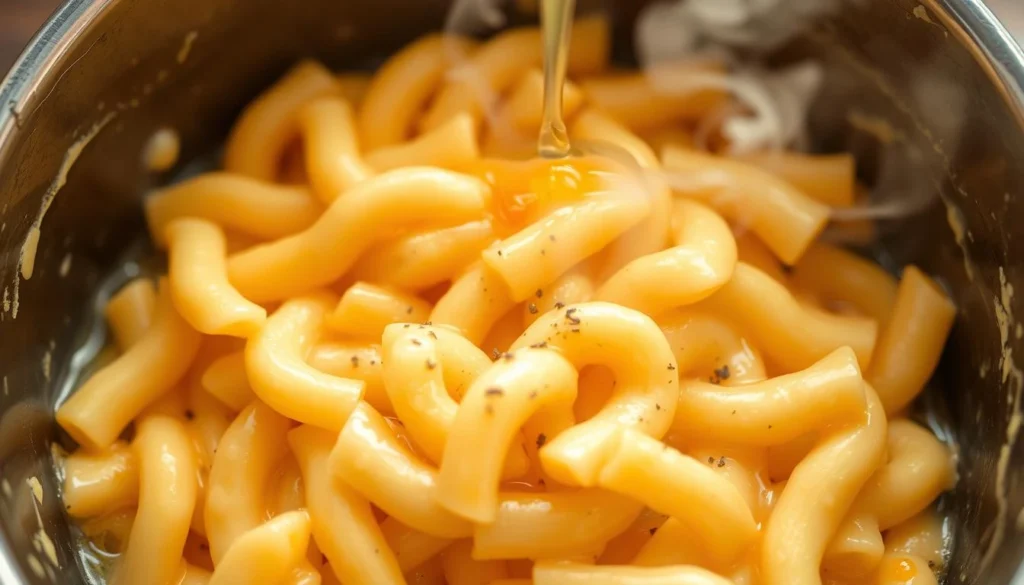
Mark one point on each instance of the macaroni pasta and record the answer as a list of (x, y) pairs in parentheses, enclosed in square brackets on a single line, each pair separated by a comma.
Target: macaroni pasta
[(382, 356)]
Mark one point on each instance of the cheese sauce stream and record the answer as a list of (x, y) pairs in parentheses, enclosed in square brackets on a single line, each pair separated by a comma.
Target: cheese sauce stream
[(556, 22)]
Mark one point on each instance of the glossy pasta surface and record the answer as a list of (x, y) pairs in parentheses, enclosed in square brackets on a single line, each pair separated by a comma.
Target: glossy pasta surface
[(393, 347)]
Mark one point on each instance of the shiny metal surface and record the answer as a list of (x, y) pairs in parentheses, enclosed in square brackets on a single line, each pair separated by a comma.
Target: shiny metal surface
[(994, 47), (949, 87)]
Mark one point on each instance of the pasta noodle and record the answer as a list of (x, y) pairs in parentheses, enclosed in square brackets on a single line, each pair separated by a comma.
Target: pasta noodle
[(422, 260), (333, 163), (791, 335), (384, 355), (691, 492), (534, 256), (356, 362), (777, 410), (199, 283), (373, 462), (571, 288), (433, 367), (619, 95), (499, 63), (241, 204), (353, 87), (525, 384), (460, 568), (624, 548), (524, 106), (922, 536), (820, 491), (402, 86), (783, 217), (829, 179), (97, 413), (246, 457), (342, 522), (912, 341), (225, 379), (412, 548), (705, 345), (596, 333), (284, 381), (554, 525), (852, 280), (577, 574), (450, 146), (167, 495), (700, 263), (130, 312), (650, 235), (258, 140), (919, 469), (323, 252), (268, 553), (207, 420), (474, 303), (365, 310), (98, 484)]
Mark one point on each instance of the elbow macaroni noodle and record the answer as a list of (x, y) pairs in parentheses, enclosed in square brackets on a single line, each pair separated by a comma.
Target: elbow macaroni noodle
[(381, 358)]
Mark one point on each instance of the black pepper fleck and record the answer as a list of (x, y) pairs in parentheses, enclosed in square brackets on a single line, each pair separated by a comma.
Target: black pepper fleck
[(408, 310), (494, 392), (190, 415), (571, 317), (533, 394), (721, 374), (653, 530), (711, 460), (721, 461), (432, 334), (559, 305), (671, 366), (539, 293), (540, 345), (355, 360), (416, 341), (533, 308), (541, 439), (431, 364), (495, 354)]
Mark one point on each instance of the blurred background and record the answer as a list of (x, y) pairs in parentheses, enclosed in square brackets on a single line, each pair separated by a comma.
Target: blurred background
[(19, 20)]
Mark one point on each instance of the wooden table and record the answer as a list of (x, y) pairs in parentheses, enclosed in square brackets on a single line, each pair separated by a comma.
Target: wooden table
[(19, 20)]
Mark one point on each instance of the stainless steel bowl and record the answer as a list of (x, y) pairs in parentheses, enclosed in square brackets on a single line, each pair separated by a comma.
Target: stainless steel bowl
[(929, 95)]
